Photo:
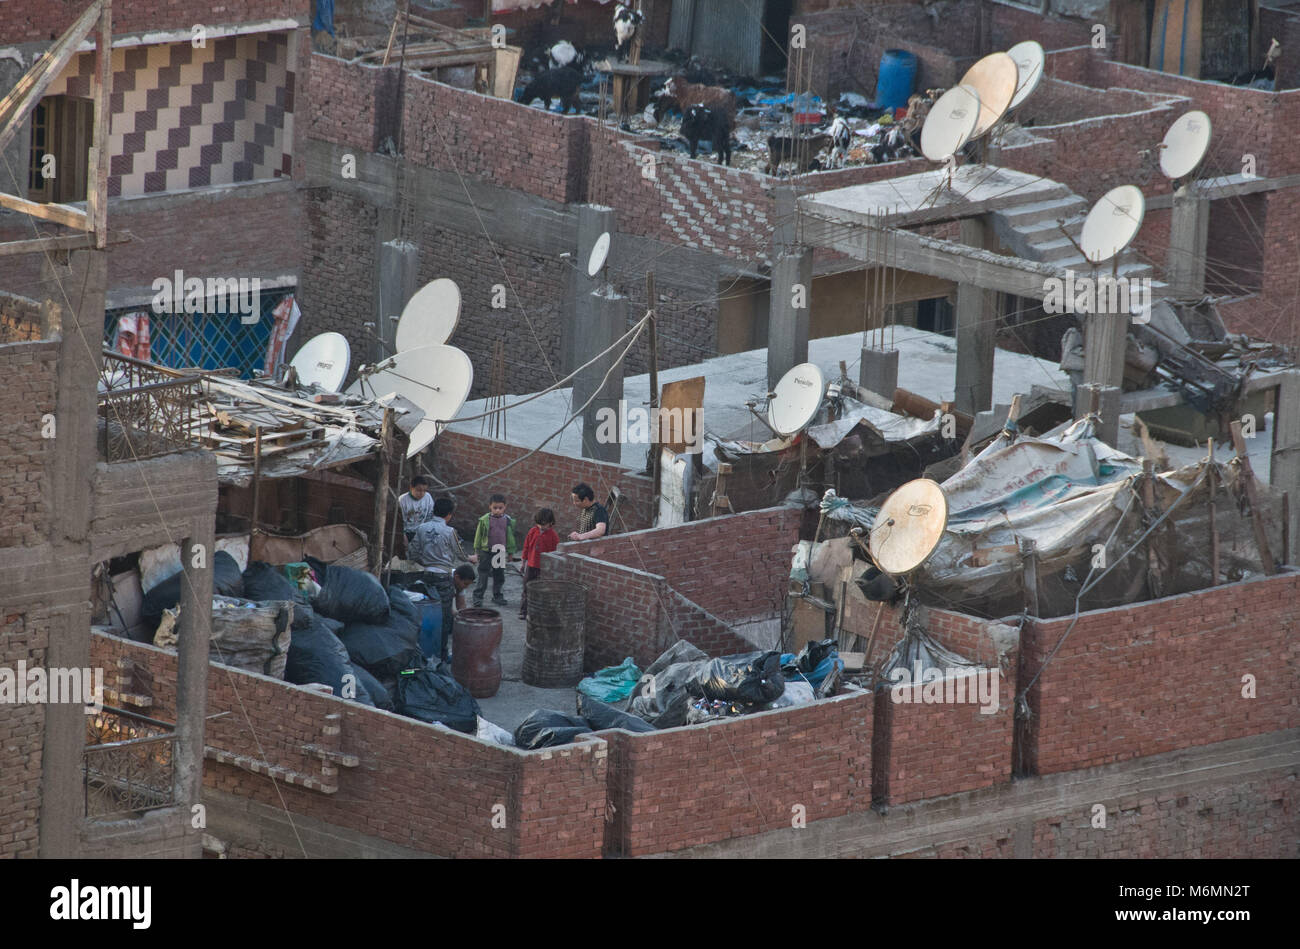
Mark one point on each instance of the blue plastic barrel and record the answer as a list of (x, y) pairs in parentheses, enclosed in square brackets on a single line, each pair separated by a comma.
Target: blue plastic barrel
[(431, 628), (895, 79)]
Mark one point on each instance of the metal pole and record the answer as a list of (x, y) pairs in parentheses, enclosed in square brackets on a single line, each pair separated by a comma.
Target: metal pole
[(654, 392)]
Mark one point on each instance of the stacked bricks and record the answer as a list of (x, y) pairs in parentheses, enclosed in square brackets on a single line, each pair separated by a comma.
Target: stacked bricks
[(24, 637), (1158, 676), (29, 394), (416, 785)]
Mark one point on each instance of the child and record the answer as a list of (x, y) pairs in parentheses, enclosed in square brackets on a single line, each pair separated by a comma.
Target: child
[(542, 539), (494, 542), (416, 506)]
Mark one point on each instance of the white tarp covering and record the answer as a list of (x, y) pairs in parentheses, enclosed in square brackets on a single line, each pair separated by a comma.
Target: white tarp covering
[(892, 428)]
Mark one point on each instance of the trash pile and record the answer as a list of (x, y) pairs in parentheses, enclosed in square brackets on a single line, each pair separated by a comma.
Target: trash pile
[(686, 687)]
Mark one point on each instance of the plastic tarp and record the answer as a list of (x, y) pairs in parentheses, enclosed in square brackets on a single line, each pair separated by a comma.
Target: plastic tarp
[(546, 728), (889, 426), (613, 683)]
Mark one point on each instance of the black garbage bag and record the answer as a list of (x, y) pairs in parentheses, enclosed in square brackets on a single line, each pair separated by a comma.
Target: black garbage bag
[(753, 678), (599, 715), (431, 696), (666, 703), (351, 596), (264, 582), (372, 688), (316, 655), (401, 609), (226, 581), (546, 727), (384, 649)]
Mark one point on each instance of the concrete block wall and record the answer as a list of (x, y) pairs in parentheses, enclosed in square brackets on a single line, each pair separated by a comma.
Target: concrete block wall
[(29, 393), (545, 479), (697, 784), (417, 785), (1158, 676)]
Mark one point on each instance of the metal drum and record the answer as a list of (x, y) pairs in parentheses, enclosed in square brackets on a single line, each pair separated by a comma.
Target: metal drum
[(557, 620), (476, 651)]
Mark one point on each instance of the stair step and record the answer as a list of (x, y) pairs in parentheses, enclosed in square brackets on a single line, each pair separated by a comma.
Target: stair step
[(1038, 211)]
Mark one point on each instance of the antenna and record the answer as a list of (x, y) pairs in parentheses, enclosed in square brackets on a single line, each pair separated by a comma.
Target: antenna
[(995, 79), (909, 527), (430, 317), (436, 378), (599, 254), (1029, 59), (1185, 144), (1112, 223), (950, 123), (796, 399), (323, 361)]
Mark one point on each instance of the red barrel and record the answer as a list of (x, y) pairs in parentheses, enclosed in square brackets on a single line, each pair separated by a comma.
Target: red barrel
[(476, 651)]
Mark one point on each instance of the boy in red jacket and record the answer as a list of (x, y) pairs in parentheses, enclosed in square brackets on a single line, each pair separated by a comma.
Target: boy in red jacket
[(542, 539)]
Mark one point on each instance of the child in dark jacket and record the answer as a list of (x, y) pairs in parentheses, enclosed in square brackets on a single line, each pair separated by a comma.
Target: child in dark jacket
[(542, 539)]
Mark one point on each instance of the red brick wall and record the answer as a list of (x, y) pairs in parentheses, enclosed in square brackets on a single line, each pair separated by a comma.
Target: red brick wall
[(417, 785), (1163, 675), (24, 636), (338, 271), (544, 480), (29, 391), (1012, 25), (736, 566), (351, 103), (25, 22), (682, 787)]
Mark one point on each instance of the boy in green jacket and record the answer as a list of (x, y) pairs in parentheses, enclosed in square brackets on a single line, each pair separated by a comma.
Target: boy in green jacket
[(495, 544)]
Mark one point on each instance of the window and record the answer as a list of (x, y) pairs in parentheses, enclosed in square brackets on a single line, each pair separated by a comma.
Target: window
[(62, 127)]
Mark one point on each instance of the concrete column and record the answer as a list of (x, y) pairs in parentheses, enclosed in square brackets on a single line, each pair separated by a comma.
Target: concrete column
[(193, 631), (785, 232), (879, 371), (1189, 233), (399, 272), (976, 313), (593, 220), (1284, 472), (62, 803), (597, 325), (1108, 409), (787, 315), (1105, 336)]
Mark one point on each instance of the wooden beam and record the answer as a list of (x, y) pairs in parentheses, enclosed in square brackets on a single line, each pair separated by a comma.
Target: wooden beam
[(58, 213), (102, 89), (1256, 516), (22, 98), (376, 556)]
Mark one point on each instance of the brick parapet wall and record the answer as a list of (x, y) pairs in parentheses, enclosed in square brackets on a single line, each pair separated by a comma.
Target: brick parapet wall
[(29, 393), (681, 787), (24, 637), (351, 103), (43, 20), (418, 785), (1163, 675)]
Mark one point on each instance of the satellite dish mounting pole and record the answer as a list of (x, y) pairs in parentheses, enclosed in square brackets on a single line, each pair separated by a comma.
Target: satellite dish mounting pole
[(653, 342)]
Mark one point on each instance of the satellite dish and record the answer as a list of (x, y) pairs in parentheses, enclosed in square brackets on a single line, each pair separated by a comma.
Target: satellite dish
[(323, 361), (995, 79), (436, 378), (430, 317), (1112, 223), (1185, 144), (796, 399), (950, 123), (599, 252), (1029, 59), (909, 526)]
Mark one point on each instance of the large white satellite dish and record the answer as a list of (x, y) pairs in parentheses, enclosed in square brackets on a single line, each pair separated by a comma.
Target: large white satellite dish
[(1185, 144), (994, 78), (436, 378), (1029, 58), (430, 317), (1112, 223), (599, 253), (323, 361), (796, 399), (909, 526), (950, 123)]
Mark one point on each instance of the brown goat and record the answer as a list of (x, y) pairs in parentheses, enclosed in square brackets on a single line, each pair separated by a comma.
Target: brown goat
[(713, 98)]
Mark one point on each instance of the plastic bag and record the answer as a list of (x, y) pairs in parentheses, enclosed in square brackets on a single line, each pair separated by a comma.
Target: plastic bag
[(351, 596), (226, 581), (263, 582), (546, 728), (613, 683), (752, 678), (494, 733), (316, 655), (666, 701), (679, 652), (815, 662), (600, 716), (401, 608), (431, 696), (796, 693), (371, 687), (383, 650)]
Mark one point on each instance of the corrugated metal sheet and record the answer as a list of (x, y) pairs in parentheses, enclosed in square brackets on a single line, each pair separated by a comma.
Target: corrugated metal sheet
[(726, 32)]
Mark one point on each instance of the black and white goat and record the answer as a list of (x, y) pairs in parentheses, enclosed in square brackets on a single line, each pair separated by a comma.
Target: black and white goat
[(626, 23), (564, 54), (841, 137), (893, 146)]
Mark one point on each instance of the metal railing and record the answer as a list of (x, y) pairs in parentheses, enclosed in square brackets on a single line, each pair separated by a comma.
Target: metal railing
[(147, 411), (128, 764)]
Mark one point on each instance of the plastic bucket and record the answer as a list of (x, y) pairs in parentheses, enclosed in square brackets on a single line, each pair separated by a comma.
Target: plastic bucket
[(895, 80)]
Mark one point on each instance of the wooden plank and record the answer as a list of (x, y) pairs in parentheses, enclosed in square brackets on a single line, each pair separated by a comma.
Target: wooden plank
[(43, 245), (102, 91), (1256, 516), (58, 213), (1212, 481), (686, 395)]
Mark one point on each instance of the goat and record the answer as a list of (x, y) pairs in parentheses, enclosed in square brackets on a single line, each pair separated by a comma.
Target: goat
[(685, 94), (783, 148), (551, 84), (703, 123), (841, 137), (626, 23), (564, 54)]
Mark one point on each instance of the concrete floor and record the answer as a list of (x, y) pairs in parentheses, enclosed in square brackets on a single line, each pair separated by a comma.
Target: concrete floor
[(514, 701)]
